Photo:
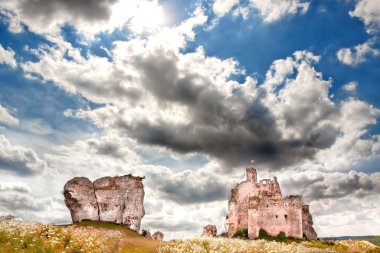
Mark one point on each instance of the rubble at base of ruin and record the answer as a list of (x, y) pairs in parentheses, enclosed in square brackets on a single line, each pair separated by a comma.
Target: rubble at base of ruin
[(111, 199), (209, 231), (158, 235), (259, 204)]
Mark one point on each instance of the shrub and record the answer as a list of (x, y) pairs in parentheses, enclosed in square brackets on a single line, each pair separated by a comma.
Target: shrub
[(241, 234), (281, 236), (263, 234), (145, 233)]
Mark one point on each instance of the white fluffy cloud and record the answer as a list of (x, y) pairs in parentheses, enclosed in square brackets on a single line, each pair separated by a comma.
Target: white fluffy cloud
[(108, 154), (14, 186), (7, 57), (16, 199), (350, 87), (221, 7), (103, 81), (19, 160), (157, 95), (358, 54), (272, 10), (269, 10), (369, 12), (7, 118)]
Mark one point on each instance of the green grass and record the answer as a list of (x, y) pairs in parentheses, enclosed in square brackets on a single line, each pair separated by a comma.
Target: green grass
[(375, 239)]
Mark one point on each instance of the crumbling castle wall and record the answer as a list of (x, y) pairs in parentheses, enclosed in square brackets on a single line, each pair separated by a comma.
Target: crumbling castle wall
[(239, 202), (112, 199), (276, 215), (307, 223), (254, 205)]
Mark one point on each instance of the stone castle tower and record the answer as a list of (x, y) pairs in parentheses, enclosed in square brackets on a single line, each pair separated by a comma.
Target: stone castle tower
[(259, 204)]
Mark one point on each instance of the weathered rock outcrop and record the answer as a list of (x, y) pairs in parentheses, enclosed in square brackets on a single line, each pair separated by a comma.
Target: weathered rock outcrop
[(209, 231), (158, 235), (259, 204), (80, 199), (112, 199)]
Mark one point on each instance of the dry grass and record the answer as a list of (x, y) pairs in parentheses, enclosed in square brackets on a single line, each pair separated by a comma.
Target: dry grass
[(130, 240)]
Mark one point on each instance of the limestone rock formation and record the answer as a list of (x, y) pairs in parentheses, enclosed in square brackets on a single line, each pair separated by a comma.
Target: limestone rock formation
[(80, 199), (158, 235), (112, 199), (254, 205), (209, 231)]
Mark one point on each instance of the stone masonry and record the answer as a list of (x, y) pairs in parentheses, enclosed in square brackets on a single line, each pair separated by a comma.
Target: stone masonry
[(112, 199), (259, 204)]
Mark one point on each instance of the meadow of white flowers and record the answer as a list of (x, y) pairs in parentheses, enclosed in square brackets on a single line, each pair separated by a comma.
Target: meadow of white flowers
[(226, 245), (35, 237), (24, 236)]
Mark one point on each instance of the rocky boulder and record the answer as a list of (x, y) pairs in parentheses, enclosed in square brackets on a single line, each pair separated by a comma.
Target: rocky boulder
[(209, 231), (113, 199), (158, 235), (80, 199)]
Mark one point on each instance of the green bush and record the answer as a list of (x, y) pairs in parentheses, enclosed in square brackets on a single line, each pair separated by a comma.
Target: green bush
[(281, 237), (263, 234), (241, 234)]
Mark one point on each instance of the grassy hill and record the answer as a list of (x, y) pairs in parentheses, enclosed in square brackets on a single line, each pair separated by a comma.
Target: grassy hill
[(130, 241), (102, 237), (87, 236)]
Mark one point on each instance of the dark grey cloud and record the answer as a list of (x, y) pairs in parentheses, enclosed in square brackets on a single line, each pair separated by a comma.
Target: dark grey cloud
[(48, 16), (333, 185), (233, 128), (47, 10), (160, 76), (185, 190), (250, 138), (187, 187), (106, 147)]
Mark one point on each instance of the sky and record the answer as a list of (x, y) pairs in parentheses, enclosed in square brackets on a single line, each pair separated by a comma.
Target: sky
[(186, 93)]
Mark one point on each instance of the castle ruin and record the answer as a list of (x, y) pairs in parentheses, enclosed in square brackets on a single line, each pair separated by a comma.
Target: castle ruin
[(259, 204)]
